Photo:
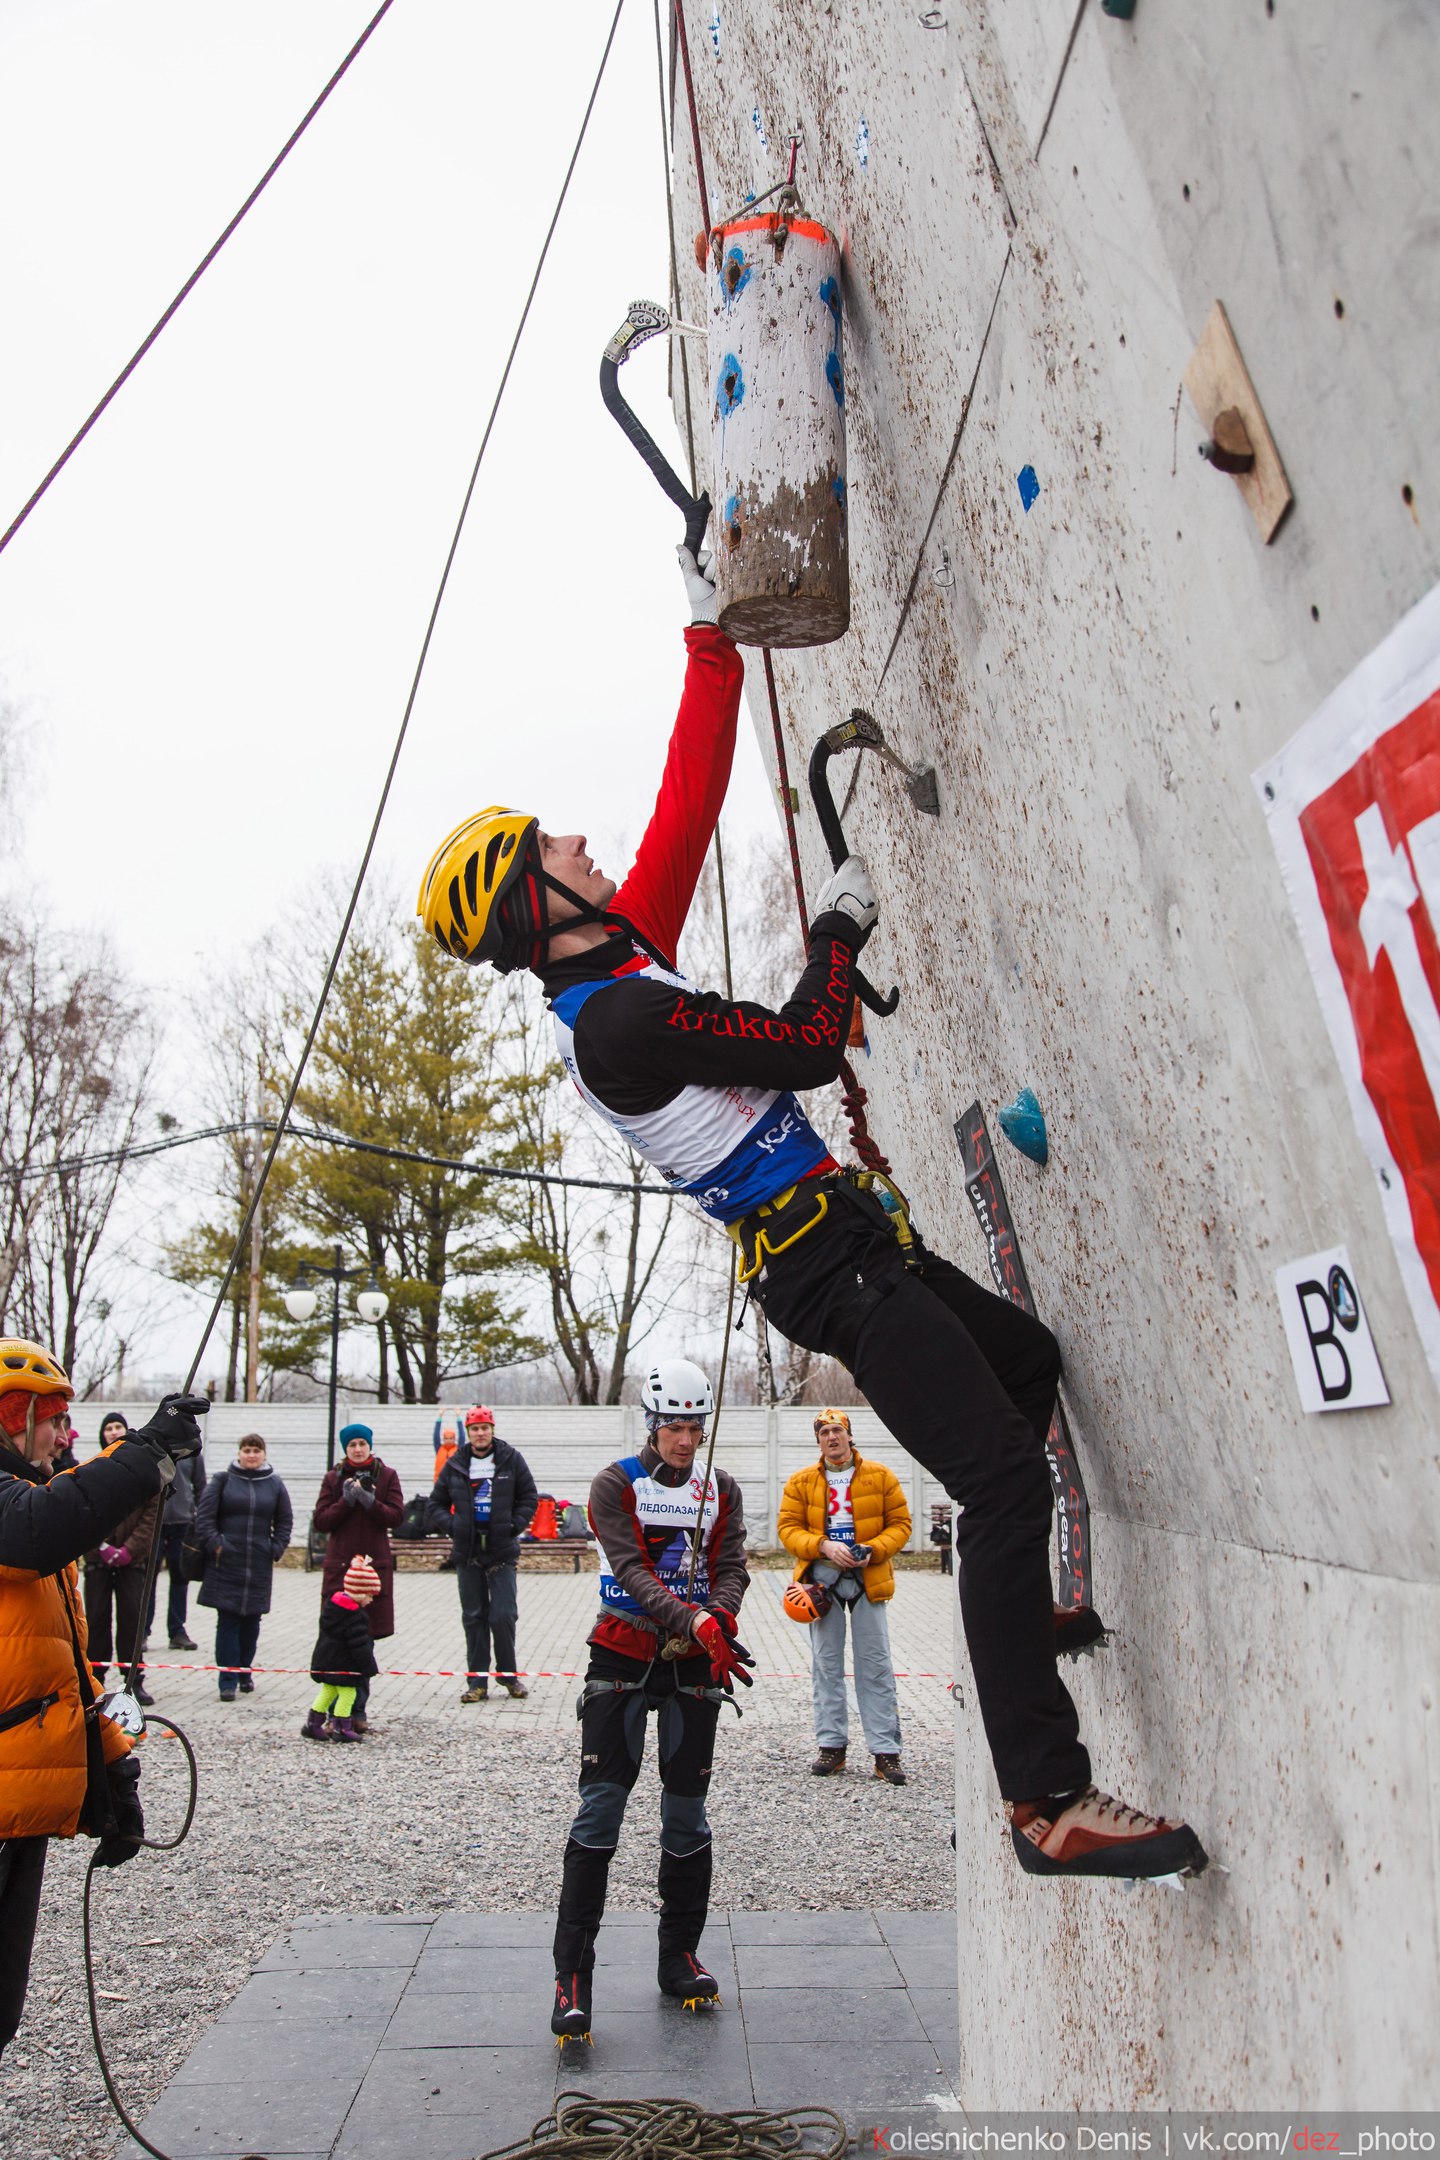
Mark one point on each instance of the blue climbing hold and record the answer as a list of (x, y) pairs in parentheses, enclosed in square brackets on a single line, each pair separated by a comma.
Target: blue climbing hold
[(835, 376), (837, 489), (1023, 1124), (730, 385), (1028, 485)]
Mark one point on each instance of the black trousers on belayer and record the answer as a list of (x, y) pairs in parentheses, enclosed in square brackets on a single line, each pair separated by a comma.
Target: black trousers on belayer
[(613, 1718), (966, 1382)]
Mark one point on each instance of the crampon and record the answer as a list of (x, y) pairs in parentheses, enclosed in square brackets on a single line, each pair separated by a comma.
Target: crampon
[(570, 2018), (1079, 1631), (1095, 1834), (682, 1975)]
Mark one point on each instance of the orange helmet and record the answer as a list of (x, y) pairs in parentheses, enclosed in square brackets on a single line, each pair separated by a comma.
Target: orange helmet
[(806, 1601)]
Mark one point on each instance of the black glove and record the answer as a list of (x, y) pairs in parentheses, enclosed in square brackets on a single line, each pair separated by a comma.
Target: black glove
[(123, 1842), (174, 1432)]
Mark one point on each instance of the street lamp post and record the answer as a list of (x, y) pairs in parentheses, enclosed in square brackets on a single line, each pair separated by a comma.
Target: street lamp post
[(371, 1303)]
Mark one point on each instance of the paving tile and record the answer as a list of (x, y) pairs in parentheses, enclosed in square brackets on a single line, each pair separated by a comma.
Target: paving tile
[(406, 2084), (804, 1927), (669, 2041), (938, 1928), (855, 2082), (369, 1994), (866, 2020), (926, 1965), (352, 1944), (718, 2088), (195, 2120), (361, 1920), (477, 1972), (938, 2010), (504, 2016), (374, 2134), (794, 1965), (466, 1930), (227, 2054)]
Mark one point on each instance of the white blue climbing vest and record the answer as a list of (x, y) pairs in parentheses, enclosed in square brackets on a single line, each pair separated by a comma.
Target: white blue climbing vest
[(667, 1516), (729, 1148)]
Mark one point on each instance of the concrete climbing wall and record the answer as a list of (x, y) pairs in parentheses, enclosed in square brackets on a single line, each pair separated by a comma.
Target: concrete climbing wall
[(1039, 206)]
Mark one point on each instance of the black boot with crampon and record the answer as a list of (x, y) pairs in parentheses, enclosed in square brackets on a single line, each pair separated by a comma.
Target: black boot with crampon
[(570, 2018), (684, 1907)]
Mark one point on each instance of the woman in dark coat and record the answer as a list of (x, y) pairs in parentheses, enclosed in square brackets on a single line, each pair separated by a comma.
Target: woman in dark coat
[(244, 1521), (360, 1503)]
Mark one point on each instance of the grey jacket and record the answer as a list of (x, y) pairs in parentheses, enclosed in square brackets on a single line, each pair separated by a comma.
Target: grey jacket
[(244, 1519), (184, 1495)]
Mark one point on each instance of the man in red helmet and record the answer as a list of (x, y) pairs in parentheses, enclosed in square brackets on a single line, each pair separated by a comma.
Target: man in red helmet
[(485, 1496), (704, 1089), (66, 1765)]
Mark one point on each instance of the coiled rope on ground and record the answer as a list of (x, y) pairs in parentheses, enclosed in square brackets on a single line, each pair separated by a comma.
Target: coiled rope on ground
[(583, 2128)]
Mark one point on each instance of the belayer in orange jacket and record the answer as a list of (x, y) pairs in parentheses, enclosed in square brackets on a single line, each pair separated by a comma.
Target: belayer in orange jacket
[(64, 1765)]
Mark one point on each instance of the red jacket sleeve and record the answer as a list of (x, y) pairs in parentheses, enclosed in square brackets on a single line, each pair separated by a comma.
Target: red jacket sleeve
[(656, 896)]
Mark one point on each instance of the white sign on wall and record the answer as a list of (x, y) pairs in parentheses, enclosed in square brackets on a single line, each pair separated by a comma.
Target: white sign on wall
[(1331, 1347), (1353, 806)]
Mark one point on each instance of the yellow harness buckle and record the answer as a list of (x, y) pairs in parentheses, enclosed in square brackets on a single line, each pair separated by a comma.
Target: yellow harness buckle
[(748, 1265)]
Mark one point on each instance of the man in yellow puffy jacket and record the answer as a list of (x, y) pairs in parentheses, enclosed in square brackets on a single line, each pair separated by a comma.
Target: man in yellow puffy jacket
[(844, 1519), (64, 1766)]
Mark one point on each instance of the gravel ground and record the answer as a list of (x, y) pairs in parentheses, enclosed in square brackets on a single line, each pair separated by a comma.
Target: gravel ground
[(425, 1817)]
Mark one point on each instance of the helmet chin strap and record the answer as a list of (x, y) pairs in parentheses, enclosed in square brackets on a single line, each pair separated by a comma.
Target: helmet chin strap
[(585, 912)]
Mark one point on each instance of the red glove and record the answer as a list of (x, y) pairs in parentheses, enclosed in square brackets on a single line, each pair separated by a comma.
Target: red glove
[(727, 1659), (726, 1619)]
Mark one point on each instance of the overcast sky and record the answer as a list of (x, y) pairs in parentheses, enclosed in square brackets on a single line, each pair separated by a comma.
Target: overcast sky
[(213, 617)]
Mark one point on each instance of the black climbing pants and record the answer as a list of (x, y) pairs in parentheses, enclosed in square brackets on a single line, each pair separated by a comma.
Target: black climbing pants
[(489, 1606), (22, 1870), (612, 1744), (966, 1381)]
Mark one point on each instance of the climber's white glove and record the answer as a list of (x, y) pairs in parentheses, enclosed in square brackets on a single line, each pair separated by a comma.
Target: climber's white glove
[(850, 895), (699, 583)]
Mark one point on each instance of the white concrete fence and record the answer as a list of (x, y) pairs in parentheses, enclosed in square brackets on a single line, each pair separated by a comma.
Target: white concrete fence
[(563, 1445)]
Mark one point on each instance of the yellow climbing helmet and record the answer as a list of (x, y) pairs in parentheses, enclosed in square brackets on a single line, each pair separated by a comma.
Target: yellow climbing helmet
[(25, 1367), (467, 879)]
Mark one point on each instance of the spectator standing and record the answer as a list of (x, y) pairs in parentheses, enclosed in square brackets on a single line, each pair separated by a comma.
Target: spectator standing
[(343, 1656), (360, 1503), (66, 1767), (244, 1520), (844, 1519), (115, 1573), (485, 1496), (181, 1502)]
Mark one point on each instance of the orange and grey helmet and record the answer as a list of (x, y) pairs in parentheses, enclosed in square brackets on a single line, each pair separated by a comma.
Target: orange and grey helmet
[(806, 1601), (467, 882), (832, 1417), (31, 1369)]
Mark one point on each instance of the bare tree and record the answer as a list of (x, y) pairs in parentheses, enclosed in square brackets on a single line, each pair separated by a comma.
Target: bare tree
[(76, 1047)]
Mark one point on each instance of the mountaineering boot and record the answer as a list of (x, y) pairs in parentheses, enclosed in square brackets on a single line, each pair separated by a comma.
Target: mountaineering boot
[(1078, 1629), (888, 1768), (681, 1974), (314, 1727), (514, 1685), (476, 1692), (684, 1885), (343, 1728), (828, 1763), (1091, 1833), (570, 2018)]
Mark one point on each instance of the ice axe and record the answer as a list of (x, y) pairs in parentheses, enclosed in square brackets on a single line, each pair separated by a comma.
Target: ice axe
[(862, 732), (648, 319)]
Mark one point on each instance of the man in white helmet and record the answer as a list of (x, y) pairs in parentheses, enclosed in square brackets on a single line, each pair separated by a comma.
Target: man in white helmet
[(672, 1560)]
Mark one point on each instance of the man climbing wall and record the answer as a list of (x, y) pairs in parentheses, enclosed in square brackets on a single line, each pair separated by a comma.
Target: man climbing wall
[(702, 1088)]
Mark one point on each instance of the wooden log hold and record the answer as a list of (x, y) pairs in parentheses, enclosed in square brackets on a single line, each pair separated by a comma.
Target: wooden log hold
[(778, 431)]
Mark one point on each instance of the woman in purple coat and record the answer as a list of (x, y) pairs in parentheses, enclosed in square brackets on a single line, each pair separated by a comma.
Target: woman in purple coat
[(359, 1505)]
